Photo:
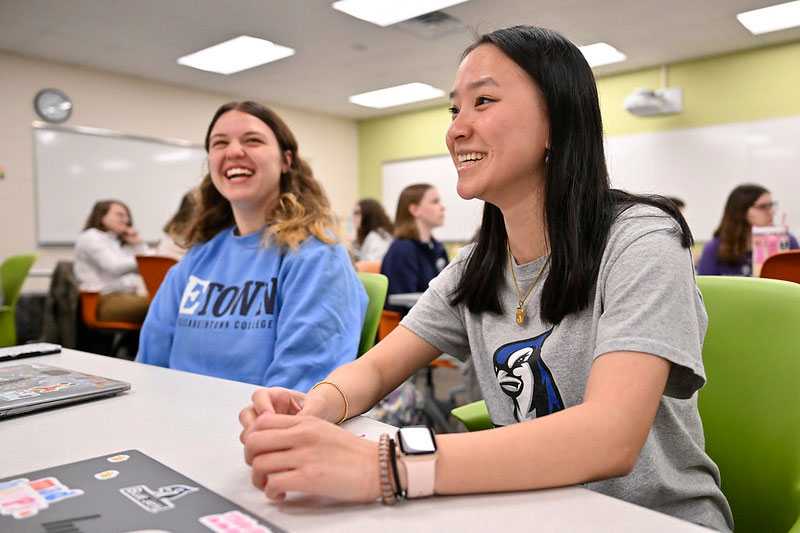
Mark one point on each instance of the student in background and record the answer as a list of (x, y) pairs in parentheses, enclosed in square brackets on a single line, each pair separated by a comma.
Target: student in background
[(729, 253), (373, 230), (577, 302), (266, 294), (105, 262), (415, 257), (175, 230)]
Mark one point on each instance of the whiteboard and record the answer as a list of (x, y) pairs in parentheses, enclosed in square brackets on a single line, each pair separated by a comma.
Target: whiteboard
[(703, 165), (75, 167), (461, 217), (699, 165)]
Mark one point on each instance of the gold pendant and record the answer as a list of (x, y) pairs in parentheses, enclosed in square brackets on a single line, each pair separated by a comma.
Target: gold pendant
[(520, 315)]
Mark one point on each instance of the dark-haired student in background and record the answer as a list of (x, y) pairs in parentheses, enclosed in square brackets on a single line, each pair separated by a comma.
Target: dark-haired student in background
[(415, 257), (105, 262), (373, 230), (729, 253)]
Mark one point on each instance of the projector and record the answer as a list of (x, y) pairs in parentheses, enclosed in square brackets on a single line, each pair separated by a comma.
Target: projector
[(643, 102)]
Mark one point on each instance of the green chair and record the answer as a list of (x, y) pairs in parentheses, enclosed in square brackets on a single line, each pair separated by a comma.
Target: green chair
[(13, 272), (474, 416), (750, 406), (376, 286)]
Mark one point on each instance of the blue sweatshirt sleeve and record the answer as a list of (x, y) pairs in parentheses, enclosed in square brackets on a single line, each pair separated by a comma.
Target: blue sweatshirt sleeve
[(321, 305), (158, 330)]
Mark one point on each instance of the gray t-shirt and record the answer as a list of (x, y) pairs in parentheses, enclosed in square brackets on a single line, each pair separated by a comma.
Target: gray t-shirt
[(646, 300)]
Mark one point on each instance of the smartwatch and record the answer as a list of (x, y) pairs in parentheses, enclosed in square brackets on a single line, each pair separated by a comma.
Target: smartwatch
[(418, 454)]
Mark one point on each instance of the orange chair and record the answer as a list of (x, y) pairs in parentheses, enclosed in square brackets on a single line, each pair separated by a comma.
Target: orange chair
[(783, 265), (369, 266), (153, 269), (389, 321), (89, 301)]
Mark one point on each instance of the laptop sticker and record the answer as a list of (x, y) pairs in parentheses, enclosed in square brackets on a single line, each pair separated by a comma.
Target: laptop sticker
[(118, 458), (233, 522), (33, 392), (22, 498), (154, 501), (108, 474)]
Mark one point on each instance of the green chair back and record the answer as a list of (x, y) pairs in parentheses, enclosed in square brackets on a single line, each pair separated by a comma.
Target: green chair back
[(376, 286), (750, 406), (13, 272), (474, 416)]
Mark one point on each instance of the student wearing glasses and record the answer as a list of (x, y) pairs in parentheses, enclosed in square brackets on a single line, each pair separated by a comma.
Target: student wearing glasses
[(577, 303), (729, 253)]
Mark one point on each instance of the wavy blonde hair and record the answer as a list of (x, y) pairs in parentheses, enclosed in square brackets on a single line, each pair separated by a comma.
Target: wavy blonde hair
[(302, 209)]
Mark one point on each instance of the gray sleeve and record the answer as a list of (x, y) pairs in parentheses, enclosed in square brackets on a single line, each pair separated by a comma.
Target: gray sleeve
[(435, 320), (650, 301)]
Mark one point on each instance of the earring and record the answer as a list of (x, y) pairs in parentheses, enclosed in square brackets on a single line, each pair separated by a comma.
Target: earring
[(546, 156)]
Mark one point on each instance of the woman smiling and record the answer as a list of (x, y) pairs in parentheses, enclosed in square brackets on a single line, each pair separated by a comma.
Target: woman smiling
[(267, 294)]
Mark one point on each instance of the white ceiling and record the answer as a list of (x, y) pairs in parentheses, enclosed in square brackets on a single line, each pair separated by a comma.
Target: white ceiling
[(338, 55)]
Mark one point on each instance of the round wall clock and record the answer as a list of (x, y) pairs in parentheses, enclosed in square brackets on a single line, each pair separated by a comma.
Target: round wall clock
[(52, 105)]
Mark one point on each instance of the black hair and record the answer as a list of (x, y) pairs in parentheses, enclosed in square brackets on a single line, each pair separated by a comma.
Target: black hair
[(579, 205)]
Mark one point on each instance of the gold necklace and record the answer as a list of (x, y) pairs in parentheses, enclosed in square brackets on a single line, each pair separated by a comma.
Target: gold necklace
[(521, 309)]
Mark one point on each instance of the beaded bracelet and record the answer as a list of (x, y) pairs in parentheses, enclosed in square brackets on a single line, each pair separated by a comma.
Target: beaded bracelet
[(344, 397), (400, 493), (387, 494)]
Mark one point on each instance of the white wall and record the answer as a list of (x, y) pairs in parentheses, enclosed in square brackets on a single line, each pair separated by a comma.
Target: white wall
[(139, 107)]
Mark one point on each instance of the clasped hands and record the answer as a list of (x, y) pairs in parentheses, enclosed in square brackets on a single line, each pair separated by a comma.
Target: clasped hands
[(291, 447)]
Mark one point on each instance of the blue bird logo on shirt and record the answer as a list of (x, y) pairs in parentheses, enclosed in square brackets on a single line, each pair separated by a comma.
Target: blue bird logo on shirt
[(524, 377)]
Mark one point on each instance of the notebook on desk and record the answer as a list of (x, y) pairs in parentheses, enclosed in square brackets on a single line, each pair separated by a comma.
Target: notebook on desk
[(30, 387), (120, 492)]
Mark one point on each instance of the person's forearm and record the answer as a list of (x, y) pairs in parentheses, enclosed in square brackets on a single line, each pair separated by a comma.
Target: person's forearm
[(375, 374), (565, 448), (360, 382), (598, 439)]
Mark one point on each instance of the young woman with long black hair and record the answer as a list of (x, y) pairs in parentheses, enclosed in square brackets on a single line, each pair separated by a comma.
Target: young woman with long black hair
[(578, 304)]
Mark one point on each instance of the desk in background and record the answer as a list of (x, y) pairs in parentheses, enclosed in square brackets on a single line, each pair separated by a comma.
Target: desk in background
[(189, 422), (407, 299)]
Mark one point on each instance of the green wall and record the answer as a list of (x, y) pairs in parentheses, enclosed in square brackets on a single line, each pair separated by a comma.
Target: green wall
[(753, 85)]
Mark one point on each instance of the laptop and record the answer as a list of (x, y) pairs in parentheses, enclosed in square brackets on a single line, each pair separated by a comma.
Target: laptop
[(120, 492), (30, 387)]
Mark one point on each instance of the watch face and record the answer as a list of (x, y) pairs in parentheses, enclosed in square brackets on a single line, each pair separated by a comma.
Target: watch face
[(416, 440), (52, 105)]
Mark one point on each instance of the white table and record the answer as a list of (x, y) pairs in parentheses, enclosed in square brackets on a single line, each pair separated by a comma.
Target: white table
[(406, 299), (189, 422)]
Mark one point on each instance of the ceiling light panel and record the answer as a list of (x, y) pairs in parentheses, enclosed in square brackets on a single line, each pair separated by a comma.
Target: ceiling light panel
[(241, 53), (773, 18), (386, 12), (399, 95), (598, 54)]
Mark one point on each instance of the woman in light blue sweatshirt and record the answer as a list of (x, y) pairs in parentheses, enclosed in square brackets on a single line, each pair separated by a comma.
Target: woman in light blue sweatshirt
[(267, 294)]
